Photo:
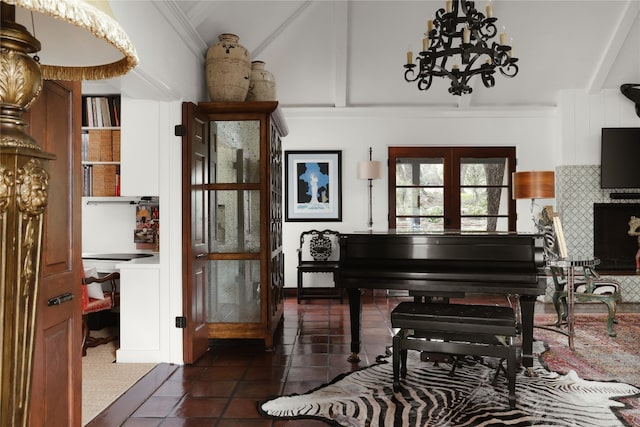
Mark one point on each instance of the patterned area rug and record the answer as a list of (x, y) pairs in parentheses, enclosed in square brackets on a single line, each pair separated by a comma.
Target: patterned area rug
[(597, 356), (431, 397)]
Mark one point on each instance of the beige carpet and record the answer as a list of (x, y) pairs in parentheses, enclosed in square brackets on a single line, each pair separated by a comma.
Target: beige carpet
[(103, 381)]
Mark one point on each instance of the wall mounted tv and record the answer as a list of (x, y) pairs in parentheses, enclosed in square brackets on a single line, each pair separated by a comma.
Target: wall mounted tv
[(620, 158)]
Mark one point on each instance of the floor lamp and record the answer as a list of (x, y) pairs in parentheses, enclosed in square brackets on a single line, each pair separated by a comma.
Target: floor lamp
[(370, 170), (534, 185), (80, 41)]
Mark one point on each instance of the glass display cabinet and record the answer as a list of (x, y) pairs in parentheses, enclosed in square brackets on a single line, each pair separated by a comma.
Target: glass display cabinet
[(245, 279)]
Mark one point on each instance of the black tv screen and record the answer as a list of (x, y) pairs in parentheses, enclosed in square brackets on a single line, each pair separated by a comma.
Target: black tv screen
[(620, 158)]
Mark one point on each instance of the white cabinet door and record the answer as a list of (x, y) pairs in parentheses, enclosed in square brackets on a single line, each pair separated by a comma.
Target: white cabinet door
[(142, 336), (139, 148)]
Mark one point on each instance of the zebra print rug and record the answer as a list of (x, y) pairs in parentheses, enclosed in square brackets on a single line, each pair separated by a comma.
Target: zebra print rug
[(431, 397)]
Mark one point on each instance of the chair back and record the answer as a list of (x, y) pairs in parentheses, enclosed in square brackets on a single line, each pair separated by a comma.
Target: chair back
[(319, 246)]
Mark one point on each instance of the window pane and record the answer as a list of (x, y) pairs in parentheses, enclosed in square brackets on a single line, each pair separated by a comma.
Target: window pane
[(473, 201), (484, 224), (483, 171), (236, 221), (473, 224), (236, 149), (416, 171), (483, 192), (419, 201), (420, 224), (234, 291), (484, 201)]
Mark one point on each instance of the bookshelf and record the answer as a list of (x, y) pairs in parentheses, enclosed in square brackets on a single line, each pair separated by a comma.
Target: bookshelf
[(101, 145)]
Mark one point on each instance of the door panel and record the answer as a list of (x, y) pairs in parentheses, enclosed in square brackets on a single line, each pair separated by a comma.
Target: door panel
[(195, 208), (56, 397)]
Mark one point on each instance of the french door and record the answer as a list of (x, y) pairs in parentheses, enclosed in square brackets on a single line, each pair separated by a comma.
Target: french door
[(434, 189)]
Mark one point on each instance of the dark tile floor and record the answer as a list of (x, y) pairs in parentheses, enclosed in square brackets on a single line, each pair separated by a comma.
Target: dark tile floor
[(222, 389)]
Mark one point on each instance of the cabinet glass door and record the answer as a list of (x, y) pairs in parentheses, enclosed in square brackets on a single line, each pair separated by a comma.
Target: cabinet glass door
[(234, 213)]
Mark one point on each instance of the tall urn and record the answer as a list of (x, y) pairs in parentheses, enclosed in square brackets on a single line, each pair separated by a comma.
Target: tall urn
[(228, 69), (262, 84)]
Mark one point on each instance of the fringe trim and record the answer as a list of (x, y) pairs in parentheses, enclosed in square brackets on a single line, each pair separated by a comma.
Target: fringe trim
[(52, 72)]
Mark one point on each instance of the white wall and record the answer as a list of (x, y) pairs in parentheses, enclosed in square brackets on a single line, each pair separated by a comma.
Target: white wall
[(535, 134), (584, 116)]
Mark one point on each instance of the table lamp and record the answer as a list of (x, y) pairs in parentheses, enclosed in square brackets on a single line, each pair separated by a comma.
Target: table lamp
[(77, 40), (533, 185)]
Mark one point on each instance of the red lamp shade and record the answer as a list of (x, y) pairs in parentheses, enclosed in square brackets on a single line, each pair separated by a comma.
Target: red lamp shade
[(534, 185)]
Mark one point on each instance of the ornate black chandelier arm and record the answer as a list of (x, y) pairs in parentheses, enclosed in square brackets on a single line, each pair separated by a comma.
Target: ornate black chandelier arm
[(462, 35)]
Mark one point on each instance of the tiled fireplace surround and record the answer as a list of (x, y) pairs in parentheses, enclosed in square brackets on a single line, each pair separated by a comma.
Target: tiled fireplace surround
[(577, 189)]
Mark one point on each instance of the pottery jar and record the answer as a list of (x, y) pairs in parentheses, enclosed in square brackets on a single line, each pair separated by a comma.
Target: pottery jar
[(228, 69), (262, 84)]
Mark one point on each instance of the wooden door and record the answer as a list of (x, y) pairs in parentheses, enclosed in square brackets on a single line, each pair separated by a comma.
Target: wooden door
[(195, 241), (56, 396), (451, 188)]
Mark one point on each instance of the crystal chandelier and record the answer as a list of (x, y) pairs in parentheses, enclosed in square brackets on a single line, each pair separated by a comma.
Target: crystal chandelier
[(459, 44)]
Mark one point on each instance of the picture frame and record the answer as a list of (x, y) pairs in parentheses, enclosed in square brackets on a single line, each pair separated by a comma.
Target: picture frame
[(313, 185)]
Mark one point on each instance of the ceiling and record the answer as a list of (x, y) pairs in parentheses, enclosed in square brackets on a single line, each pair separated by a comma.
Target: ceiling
[(351, 53)]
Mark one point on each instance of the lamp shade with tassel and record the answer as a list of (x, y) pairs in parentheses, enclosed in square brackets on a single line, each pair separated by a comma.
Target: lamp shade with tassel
[(534, 185), (81, 40)]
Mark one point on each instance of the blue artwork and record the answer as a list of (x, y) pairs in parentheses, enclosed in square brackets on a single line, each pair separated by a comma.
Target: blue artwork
[(313, 191), (313, 184)]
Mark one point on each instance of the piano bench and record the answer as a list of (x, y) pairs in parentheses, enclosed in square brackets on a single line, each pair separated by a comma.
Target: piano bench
[(456, 329)]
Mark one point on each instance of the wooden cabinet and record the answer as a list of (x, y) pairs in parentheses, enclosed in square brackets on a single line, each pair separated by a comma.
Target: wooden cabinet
[(120, 159), (240, 211)]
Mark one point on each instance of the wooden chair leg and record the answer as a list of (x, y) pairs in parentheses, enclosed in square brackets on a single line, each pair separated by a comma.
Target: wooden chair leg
[(85, 333)]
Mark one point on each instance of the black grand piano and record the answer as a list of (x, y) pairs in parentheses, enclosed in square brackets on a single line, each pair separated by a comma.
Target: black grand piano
[(449, 263)]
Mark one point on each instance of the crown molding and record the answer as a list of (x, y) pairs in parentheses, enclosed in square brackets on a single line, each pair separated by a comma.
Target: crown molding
[(182, 26)]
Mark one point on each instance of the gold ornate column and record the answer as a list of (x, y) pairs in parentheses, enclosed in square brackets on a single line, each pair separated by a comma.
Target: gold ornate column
[(23, 197), (24, 180)]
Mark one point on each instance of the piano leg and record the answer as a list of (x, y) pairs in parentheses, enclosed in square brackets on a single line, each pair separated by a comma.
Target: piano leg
[(355, 315), (527, 306)]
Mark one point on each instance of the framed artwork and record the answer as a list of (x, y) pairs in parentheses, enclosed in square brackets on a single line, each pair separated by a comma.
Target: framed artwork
[(313, 181)]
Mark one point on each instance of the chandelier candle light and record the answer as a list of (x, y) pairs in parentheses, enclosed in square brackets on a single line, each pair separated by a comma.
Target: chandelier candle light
[(370, 170), (459, 44)]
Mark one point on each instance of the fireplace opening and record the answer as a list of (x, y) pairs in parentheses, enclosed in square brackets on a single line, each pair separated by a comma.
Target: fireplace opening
[(612, 243)]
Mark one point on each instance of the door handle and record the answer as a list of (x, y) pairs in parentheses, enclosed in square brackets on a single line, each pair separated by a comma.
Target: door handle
[(200, 256), (68, 296)]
